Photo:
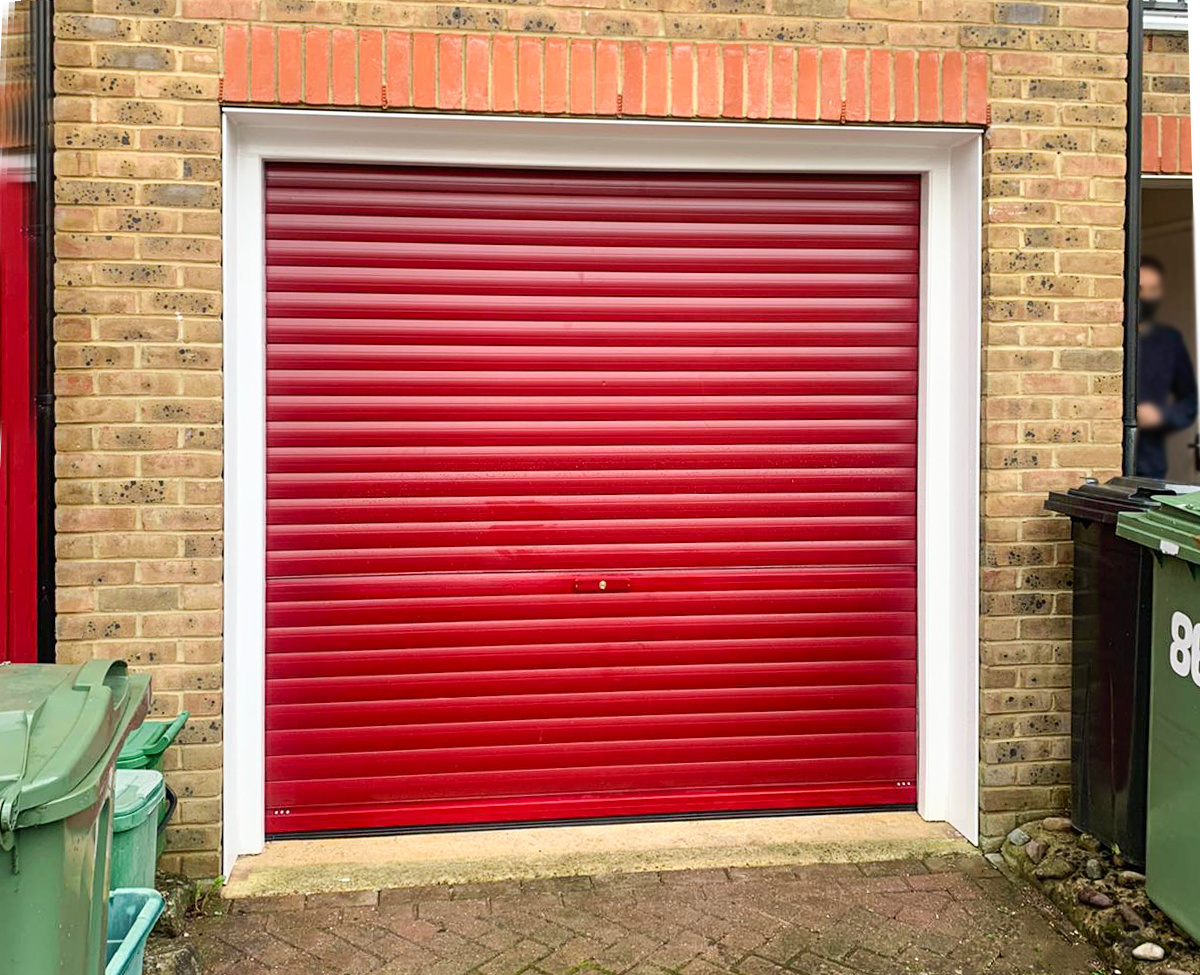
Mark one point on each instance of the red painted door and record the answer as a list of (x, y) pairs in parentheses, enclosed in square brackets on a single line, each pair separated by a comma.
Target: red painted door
[(18, 441), (590, 494)]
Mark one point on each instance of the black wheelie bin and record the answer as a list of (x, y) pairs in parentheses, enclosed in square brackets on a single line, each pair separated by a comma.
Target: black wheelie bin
[(1110, 659)]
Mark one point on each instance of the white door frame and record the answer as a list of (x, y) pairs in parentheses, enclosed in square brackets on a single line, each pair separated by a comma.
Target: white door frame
[(949, 162)]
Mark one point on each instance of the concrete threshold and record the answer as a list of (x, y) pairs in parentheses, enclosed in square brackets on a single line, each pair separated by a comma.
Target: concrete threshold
[(384, 862)]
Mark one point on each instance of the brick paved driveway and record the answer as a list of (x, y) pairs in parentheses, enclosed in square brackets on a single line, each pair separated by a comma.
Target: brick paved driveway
[(953, 915)]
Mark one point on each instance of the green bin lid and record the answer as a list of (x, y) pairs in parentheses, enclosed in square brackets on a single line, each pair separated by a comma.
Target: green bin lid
[(137, 794), (149, 740), (1173, 528), (56, 724)]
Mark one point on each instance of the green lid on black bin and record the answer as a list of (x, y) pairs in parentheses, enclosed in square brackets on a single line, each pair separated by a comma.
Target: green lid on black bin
[(56, 724), (1173, 528), (1093, 501)]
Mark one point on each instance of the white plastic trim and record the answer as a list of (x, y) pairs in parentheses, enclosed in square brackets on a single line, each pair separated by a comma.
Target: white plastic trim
[(1165, 20), (949, 162), (245, 494)]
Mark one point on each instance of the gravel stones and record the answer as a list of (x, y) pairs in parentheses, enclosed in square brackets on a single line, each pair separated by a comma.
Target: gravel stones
[(1056, 868), (166, 956), (1036, 850), (1018, 837), (1131, 917), (1149, 951), (1111, 910), (179, 895), (1094, 898)]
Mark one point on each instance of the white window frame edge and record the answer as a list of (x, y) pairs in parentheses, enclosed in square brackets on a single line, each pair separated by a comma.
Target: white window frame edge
[(949, 162), (1166, 21)]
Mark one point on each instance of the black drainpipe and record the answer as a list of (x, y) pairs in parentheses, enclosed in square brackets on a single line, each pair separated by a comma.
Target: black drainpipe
[(42, 14), (1133, 232)]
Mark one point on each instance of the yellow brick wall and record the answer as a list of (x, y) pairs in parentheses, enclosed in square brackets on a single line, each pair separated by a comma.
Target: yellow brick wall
[(16, 76), (1165, 74), (139, 306), (1166, 109)]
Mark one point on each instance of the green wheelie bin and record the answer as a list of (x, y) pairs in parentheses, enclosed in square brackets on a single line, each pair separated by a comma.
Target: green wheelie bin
[(144, 749), (61, 728), (1172, 532), (137, 798)]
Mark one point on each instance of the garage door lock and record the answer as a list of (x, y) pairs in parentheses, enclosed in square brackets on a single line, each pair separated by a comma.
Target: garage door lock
[(601, 585)]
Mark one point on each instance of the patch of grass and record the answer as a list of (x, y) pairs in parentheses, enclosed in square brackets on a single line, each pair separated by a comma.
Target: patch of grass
[(208, 897)]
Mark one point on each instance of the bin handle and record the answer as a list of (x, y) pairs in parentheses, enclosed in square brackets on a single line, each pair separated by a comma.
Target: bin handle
[(173, 729), (172, 802), (21, 723)]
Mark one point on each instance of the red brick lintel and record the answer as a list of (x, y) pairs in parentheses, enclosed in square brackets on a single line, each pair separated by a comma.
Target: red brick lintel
[(371, 68), (1167, 144)]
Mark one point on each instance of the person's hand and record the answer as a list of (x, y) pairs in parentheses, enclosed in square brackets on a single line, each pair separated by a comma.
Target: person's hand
[(1149, 416)]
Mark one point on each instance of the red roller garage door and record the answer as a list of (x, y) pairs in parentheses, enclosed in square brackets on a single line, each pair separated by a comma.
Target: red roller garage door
[(590, 494)]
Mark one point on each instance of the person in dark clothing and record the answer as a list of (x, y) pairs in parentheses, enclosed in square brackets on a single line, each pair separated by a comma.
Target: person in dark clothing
[(1166, 384)]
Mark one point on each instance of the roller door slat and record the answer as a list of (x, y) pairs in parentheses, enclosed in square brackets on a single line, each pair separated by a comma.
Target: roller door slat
[(454, 784), (591, 532), (648, 802), (625, 606), (569, 384), (514, 484), (333, 511), (630, 705), (859, 282), (589, 557), (833, 306), (561, 681), (375, 636), (903, 233), (592, 755), (318, 664), (430, 584), (542, 731), (557, 807), (421, 203), (289, 255), (542, 409), (593, 183), (471, 332), (319, 433), (675, 457)]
